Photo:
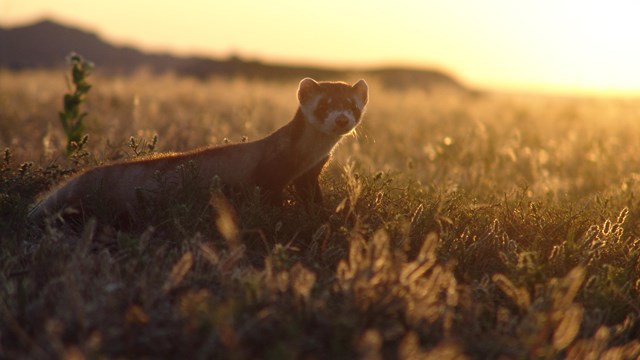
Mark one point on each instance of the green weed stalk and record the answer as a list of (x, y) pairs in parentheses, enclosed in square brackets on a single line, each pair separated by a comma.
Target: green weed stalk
[(71, 118)]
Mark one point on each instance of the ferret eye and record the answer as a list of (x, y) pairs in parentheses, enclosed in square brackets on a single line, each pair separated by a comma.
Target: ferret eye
[(323, 106)]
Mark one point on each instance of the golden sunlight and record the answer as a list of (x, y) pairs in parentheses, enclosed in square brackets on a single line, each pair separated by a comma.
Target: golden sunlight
[(550, 46)]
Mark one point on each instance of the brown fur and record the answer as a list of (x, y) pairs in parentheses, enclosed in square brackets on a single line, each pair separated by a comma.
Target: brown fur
[(295, 153)]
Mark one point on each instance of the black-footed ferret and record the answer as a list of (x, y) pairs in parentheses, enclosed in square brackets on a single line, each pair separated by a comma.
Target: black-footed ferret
[(296, 153)]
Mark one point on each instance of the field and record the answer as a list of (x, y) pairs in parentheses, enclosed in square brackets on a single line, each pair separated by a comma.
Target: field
[(456, 225)]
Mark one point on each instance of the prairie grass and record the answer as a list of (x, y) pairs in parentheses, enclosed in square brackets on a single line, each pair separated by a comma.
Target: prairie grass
[(455, 226)]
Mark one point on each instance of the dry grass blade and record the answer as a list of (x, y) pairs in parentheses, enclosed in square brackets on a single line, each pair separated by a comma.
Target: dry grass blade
[(568, 328), (519, 296), (570, 284), (178, 272), (226, 219)]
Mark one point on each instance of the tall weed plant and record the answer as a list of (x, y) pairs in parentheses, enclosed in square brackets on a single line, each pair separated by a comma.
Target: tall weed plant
[(71, 117)]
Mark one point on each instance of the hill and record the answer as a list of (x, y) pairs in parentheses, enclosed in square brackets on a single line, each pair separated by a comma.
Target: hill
[(45, 44)]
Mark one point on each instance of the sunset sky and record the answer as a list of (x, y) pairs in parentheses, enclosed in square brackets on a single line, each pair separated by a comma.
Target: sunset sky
[(561, 46)]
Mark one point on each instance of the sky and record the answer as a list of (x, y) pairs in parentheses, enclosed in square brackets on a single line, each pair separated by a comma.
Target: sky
[(561, 46)]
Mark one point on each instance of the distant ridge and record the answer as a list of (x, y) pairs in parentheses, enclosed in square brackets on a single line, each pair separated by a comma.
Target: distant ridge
[(46, 44)]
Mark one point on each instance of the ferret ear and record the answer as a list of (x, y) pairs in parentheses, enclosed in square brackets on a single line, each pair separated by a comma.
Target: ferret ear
[(362, 91), (307, 88)]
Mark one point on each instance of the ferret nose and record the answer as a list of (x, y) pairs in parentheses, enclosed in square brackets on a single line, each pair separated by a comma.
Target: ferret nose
[(342, 121)]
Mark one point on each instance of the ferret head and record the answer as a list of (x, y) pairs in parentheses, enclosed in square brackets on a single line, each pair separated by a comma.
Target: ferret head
[(334, 108)]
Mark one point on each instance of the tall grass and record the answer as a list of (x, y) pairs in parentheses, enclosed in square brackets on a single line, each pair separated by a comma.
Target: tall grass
[(455, 225)]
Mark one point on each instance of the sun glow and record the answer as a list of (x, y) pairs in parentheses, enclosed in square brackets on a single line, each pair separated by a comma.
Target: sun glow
[(553, 46), (589, 46)]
